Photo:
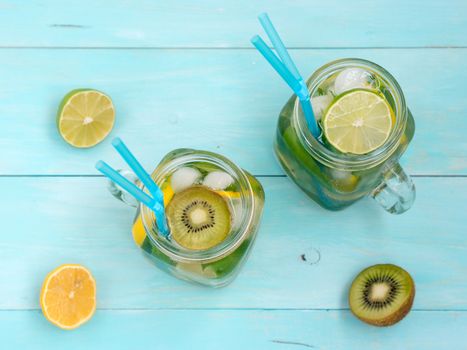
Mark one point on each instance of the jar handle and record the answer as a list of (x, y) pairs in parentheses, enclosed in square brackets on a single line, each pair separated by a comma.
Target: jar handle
[(396, 192), (120, 193)]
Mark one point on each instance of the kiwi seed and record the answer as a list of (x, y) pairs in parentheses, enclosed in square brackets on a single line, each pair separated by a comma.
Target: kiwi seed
[(199, 218), (382, 295)]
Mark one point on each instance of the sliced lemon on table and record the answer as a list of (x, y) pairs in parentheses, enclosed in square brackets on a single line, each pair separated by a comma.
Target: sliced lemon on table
[(85, 117), (68, 296), (358, 122)]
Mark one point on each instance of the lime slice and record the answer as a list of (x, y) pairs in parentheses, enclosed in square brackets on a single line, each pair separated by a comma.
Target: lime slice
[(358, 122), (85, 117)]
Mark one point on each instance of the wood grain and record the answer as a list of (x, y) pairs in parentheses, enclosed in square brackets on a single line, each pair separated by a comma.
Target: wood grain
[(235, 329), (210, 23), (305, 257), (221, 100), (183, 74)]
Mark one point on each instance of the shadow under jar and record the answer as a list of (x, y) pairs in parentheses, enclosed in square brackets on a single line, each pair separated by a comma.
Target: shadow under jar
[(336, 180)]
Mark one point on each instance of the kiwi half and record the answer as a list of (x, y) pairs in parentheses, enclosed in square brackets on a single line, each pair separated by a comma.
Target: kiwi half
[(199, 218), (382, 295)]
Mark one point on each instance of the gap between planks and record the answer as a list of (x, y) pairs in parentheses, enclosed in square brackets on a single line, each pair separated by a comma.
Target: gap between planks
[(175, 48), (256, 175), (227, 309)]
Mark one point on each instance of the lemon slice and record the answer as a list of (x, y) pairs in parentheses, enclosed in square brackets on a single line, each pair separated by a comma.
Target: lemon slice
[(68, 296), (85, 117), (139, 232), (358, 122), (168, 192)]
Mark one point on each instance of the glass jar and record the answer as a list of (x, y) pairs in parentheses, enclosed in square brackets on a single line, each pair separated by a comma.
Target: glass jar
[(216, 266), (336, 180)]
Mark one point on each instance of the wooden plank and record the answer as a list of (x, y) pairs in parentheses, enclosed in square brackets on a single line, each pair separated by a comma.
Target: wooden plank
[(305, 257), (235, 329), (222, 100), (209, 23)]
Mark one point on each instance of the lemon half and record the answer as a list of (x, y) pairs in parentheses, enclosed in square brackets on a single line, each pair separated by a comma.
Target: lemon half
[(68, 296)]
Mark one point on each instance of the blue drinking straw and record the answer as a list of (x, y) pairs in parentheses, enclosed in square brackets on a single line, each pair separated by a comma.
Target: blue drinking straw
[(123, 182), (289, 72), (276, 63), (130, 159), (286, 69), (156, 204), (278, 44)]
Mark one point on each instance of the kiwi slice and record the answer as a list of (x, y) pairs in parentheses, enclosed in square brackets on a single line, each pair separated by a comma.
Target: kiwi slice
[(382, 295), (199, 218)]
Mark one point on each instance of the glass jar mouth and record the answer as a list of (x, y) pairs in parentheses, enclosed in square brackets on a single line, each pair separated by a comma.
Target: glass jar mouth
[(235, 237), (351, 162)]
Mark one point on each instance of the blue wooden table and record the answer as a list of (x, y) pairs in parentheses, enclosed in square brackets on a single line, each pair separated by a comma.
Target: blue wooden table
[(183, 74)]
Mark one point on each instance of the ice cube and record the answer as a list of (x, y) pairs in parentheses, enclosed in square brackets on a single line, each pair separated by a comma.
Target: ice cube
[(237, 214), (343, 181), (354, 78), (184, 178), (218, 180), (320, 104)]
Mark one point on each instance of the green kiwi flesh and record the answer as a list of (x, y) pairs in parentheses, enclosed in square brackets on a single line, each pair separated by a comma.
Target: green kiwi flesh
[(199, 218), (382, 295)]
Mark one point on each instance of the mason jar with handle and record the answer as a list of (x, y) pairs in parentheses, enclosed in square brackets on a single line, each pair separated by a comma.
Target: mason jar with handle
[(194, 183), (334, 179)]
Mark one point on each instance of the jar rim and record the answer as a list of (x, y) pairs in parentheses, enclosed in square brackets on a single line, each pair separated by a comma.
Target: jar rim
[(345, 161), (234, 239)]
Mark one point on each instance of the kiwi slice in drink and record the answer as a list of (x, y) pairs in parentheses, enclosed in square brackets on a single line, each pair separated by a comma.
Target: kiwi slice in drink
[(382, 295), (199, 218)]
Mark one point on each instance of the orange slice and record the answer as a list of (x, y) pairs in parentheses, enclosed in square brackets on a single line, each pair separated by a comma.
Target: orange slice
[(68, 296)]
